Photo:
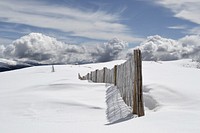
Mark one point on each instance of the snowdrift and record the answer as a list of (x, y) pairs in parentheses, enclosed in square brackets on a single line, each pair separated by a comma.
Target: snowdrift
[(35, 99)]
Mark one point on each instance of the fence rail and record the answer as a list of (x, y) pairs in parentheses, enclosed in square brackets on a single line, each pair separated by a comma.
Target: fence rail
[(128, 79)]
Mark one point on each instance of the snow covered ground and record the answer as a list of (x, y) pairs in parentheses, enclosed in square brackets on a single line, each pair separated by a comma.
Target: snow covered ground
[(35, 100)]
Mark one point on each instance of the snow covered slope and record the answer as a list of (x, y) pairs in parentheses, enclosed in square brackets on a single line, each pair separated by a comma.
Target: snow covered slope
[(7, 65), (35, 100)]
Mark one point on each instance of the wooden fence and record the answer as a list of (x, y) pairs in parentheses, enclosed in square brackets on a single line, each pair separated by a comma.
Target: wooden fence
[(128, 79)]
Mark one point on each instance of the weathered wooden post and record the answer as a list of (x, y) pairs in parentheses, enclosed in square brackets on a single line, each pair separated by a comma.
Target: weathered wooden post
[(138, 107), (140, 92), (79, 76), (115, 75), (52, 68), (96, 76), (104, 74), (135, 101), (91, 76), (88, 75)]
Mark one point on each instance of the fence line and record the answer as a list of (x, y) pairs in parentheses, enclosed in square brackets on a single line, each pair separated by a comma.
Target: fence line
[(128, 79)]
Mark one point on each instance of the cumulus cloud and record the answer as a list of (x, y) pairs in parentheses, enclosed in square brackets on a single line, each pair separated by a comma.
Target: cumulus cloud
[(39, 48), (158, 48), (45, 49), (110, 50), (2, 48), (191, 46)]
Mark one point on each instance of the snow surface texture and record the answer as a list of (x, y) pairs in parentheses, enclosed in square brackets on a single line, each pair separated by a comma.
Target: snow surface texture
[(35, 100)]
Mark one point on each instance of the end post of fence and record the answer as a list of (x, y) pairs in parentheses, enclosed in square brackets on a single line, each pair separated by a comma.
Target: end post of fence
[(138, 107)]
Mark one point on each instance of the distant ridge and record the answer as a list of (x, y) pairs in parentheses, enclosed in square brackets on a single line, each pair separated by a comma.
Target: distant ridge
[(8, 65)]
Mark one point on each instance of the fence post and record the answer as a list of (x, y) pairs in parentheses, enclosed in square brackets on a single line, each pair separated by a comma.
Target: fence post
[(79, 76), (104, 74), (138, 107), (96, 76), (115, 75), (140, 92), (90, 76), (135, 110)]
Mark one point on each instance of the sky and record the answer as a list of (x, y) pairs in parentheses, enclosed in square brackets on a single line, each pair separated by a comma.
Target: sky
[(93, 21)]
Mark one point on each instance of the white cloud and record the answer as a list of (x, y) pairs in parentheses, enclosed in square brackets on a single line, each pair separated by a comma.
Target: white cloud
[(191, 46), (45, 49), (185, 9), (109, 51), (158, 48), (194, 31), (178, 27), (2, 48), (76, 22), (37, 47)]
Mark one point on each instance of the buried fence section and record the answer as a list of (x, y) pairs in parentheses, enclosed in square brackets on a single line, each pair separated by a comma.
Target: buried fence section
[(128, 79)]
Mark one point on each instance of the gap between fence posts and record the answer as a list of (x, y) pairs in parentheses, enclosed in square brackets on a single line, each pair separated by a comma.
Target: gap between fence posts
[(88, 75)]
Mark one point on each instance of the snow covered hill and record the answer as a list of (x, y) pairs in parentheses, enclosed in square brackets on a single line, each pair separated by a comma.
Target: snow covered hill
[(36, 100), (8, 65)]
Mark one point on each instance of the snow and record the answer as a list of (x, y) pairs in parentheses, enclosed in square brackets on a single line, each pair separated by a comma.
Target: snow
[(116, 110), (36, 100), (9, 62)]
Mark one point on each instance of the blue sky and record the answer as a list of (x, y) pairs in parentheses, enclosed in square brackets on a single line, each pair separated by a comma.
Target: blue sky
[(93, 21)]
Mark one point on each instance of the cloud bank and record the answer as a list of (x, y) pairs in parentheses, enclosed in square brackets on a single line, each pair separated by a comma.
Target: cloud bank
[(38, 48), (48, 50), (158, 48)]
